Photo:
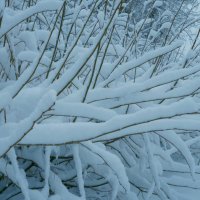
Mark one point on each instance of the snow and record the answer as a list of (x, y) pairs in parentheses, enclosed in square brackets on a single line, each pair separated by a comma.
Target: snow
[(127, 88), (47, 171), (98, 103), (69, 75), (78, 165), (14, 132), (4, 62), (31, 44), (82, 110), (113, 162), (18, 174), (117, 126), (158, 3), (11, 22), (136, 63), (177, 142)]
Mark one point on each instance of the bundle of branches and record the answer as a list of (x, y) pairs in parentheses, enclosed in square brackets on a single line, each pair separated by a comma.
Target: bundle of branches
[(94, 107)]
